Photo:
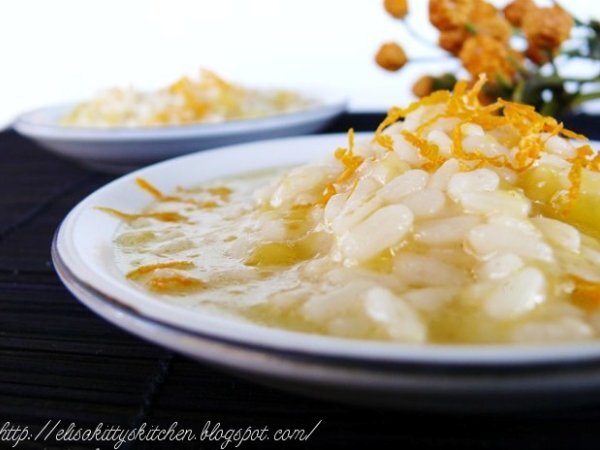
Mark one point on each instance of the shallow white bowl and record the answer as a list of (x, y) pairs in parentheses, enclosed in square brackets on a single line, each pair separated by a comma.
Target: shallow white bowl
[(122, 149), (440, 377)]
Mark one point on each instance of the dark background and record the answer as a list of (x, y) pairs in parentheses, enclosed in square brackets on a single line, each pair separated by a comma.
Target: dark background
[(60, 361)]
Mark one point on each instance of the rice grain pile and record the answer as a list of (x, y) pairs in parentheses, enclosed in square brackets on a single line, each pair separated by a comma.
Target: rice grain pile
[(456, 223)]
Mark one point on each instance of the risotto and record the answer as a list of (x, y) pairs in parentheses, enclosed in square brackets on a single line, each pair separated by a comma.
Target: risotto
[(209, 99), (455, 223)]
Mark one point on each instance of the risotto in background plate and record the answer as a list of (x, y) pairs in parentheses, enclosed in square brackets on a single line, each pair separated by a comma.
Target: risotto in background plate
[(209, 99), (125, 129), (461, 223)]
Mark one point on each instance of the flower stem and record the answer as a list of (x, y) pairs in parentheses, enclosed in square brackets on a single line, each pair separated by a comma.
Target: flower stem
[(554, 81), (430, 58), (582, 98), (415, 34)]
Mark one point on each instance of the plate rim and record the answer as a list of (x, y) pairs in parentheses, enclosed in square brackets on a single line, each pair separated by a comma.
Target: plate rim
[(74, 284), (308, 344), (408, 386)]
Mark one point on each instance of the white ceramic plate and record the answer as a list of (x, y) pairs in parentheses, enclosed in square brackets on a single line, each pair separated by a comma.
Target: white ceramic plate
[(427, 377), (122, 149)]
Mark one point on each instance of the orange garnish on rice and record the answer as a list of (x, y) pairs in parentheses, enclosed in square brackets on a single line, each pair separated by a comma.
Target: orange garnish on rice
[(525, 123), (172, 283), (350, 161), (222, 193), (527, 134), (586, 294), (427, 149), (175, 284), (149, 268), (169, 216), (158, 195)]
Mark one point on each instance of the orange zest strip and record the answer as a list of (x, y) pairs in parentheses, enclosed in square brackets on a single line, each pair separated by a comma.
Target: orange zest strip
[(395, 113), (349, 160), (573, 135), (594, 163), (328, 192), (146, 186), (585, 158), (385, 141), (472, 95), (428, 122), (223, 192), (586, 294), (429, 151), (574, 187), (553, 129), (196, 106), (149, 268), (162, 216), (529, 151), (351, 140), (209, 204), (476, 156), (300, 206), (175, 284), (460, 88)]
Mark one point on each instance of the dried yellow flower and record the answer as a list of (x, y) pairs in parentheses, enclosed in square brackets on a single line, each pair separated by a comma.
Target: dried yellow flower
[(484, 54), (391, 57), (453, 39), (547, 28), (482, 18), (449, 14), (482, 10), (516, 10), (539, 56), (483, 97), (396, 8), (494, 26), (423, 86)]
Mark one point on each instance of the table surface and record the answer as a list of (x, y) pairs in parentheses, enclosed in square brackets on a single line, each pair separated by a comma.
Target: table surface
[(59, 361)]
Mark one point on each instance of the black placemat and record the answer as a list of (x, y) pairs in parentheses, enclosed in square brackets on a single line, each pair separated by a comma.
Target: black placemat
[(58, 361)]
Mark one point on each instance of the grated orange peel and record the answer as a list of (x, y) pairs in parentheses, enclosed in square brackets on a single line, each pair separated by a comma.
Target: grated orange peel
[(350, 162), (145, 185), (586, 294), (463, 103), (149, 268), (167, 216), (530, 129)]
